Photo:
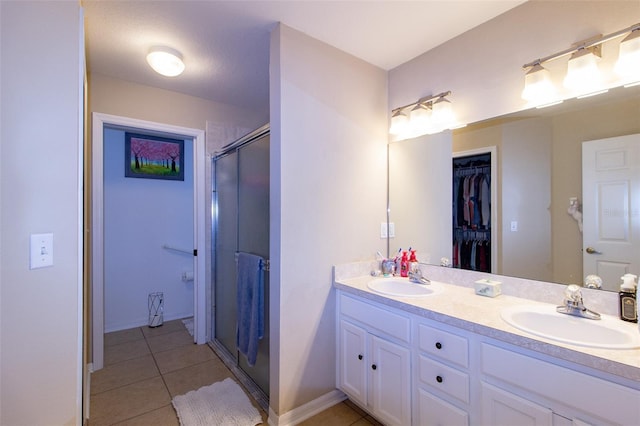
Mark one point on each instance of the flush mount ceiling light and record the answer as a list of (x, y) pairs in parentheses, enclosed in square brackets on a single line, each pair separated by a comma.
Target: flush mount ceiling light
[(428, 115), (165, 61), (583, 77)]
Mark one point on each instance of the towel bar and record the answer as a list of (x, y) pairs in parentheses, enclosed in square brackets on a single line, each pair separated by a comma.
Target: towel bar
[(265, 262), (167, 247)]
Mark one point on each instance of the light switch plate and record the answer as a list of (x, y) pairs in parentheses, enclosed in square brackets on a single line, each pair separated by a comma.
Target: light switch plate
[(383, 230), (41, 249), (392, 230)]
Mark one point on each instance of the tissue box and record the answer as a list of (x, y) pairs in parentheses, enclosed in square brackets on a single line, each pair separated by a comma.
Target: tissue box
[(488, 288)]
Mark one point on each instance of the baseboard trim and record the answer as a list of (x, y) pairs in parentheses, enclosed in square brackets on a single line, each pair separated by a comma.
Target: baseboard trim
[(310, 409)]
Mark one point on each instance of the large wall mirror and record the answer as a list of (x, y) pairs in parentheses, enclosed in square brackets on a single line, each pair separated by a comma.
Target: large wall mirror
[(539, 174)]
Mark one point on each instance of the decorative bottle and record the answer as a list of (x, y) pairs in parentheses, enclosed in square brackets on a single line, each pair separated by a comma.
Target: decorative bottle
[(404, 265)]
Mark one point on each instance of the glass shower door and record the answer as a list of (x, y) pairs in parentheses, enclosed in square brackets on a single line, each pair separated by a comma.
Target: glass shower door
[(242, 191)]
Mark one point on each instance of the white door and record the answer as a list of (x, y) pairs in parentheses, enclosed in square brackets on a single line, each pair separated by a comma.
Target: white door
[(611, 208)]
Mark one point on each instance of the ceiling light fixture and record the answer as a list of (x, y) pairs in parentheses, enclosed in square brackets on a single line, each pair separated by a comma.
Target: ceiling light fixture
[(431, 114), (583, 77), (165, 61)]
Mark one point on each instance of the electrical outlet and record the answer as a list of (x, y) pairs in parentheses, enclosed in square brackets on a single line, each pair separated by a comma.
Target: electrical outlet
[(514, 226)]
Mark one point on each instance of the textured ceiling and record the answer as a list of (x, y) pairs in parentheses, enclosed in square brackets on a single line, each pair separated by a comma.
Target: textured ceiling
[(225, 44)]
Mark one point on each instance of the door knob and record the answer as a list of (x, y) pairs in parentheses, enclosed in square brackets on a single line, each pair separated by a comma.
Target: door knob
[(591, 250)]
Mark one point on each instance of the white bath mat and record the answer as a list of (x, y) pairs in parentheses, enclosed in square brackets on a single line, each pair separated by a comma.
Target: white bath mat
[(222, 403), (188, 323)]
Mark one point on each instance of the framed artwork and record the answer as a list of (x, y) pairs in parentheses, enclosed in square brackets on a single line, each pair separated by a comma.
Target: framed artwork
[(153, 157)]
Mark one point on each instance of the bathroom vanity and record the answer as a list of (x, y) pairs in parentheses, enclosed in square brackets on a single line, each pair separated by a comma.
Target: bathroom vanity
[(448, 358)]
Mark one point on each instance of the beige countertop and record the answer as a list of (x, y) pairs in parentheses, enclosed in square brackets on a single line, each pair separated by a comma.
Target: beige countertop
[(459, 306)]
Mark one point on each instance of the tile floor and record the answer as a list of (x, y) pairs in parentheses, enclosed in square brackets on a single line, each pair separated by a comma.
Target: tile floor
[(144, 368)]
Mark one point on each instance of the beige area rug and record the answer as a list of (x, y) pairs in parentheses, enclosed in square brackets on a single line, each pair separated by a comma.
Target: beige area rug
[(222, 403)]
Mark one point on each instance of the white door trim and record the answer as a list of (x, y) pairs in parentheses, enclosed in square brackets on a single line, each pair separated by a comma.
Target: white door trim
[(99, 121)]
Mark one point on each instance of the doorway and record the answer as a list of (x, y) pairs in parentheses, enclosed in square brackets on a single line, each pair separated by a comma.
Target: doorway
[(99, 123), (240, 211)]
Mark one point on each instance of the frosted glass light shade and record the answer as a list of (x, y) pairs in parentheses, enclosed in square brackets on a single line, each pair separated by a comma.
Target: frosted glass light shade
[(628, 64), (442, 114), (420, 116), (538, 87), (399, 123), (583, 74), (165, 61)]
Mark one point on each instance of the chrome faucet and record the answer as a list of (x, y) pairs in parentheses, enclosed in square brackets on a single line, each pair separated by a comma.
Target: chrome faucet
[(415, 276), (573, 304)]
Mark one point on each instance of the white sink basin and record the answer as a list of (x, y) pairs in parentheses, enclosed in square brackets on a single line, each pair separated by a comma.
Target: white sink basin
[(402, 287), (608, 332)]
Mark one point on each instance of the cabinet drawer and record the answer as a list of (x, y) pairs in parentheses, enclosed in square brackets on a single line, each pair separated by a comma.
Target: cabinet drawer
[(605, 400), (376, 318), (444, 345), (446, 379), (435, 411)]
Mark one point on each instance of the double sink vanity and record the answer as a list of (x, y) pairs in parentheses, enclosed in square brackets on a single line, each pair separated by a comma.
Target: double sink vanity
[(439, 354)]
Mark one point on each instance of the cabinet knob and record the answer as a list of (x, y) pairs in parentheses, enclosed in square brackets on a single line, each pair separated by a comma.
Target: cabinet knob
[(438, 345), (360, 357), (439, 379), (373, 366)]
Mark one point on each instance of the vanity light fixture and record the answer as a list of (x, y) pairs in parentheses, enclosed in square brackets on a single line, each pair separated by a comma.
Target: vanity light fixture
[(165, 61), (628, 65), (538, 87), (430, 114), (399, 122), (583, 77)]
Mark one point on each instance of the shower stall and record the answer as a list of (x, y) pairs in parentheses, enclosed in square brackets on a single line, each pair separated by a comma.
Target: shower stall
[(240, 215)]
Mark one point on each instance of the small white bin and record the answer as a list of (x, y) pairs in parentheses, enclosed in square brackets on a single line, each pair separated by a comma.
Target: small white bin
[(156, 309)]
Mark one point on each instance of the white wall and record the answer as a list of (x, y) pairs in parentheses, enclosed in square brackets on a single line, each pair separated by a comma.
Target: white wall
[(140, 216), (483, 67), (40, 319), (328, 197)]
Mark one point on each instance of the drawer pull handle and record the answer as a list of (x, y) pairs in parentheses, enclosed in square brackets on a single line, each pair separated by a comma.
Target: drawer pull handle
[(360, 357), (439, 379), (438, 345), (373, 366)]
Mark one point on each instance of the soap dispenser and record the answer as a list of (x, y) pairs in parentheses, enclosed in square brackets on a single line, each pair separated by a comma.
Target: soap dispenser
[(413, 262), (628, 302)]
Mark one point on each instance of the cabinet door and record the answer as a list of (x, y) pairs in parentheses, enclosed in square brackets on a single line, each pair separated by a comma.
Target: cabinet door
[(353, 365), (500, 407), (433, 411), (390, 382)]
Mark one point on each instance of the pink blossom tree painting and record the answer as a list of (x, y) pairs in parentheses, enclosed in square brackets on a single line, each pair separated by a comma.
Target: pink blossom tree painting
[(154, 157)]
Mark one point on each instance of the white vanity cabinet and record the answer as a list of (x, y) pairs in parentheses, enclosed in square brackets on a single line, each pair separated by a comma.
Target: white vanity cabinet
[(519, 389), (375, 360), (442, 381), (405, 369)]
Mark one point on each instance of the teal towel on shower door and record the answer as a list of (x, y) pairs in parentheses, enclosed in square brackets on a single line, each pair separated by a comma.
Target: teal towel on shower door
[(250, 301)]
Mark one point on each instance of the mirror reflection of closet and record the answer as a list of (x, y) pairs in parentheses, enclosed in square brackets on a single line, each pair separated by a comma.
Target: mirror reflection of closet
[(473, 246)]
